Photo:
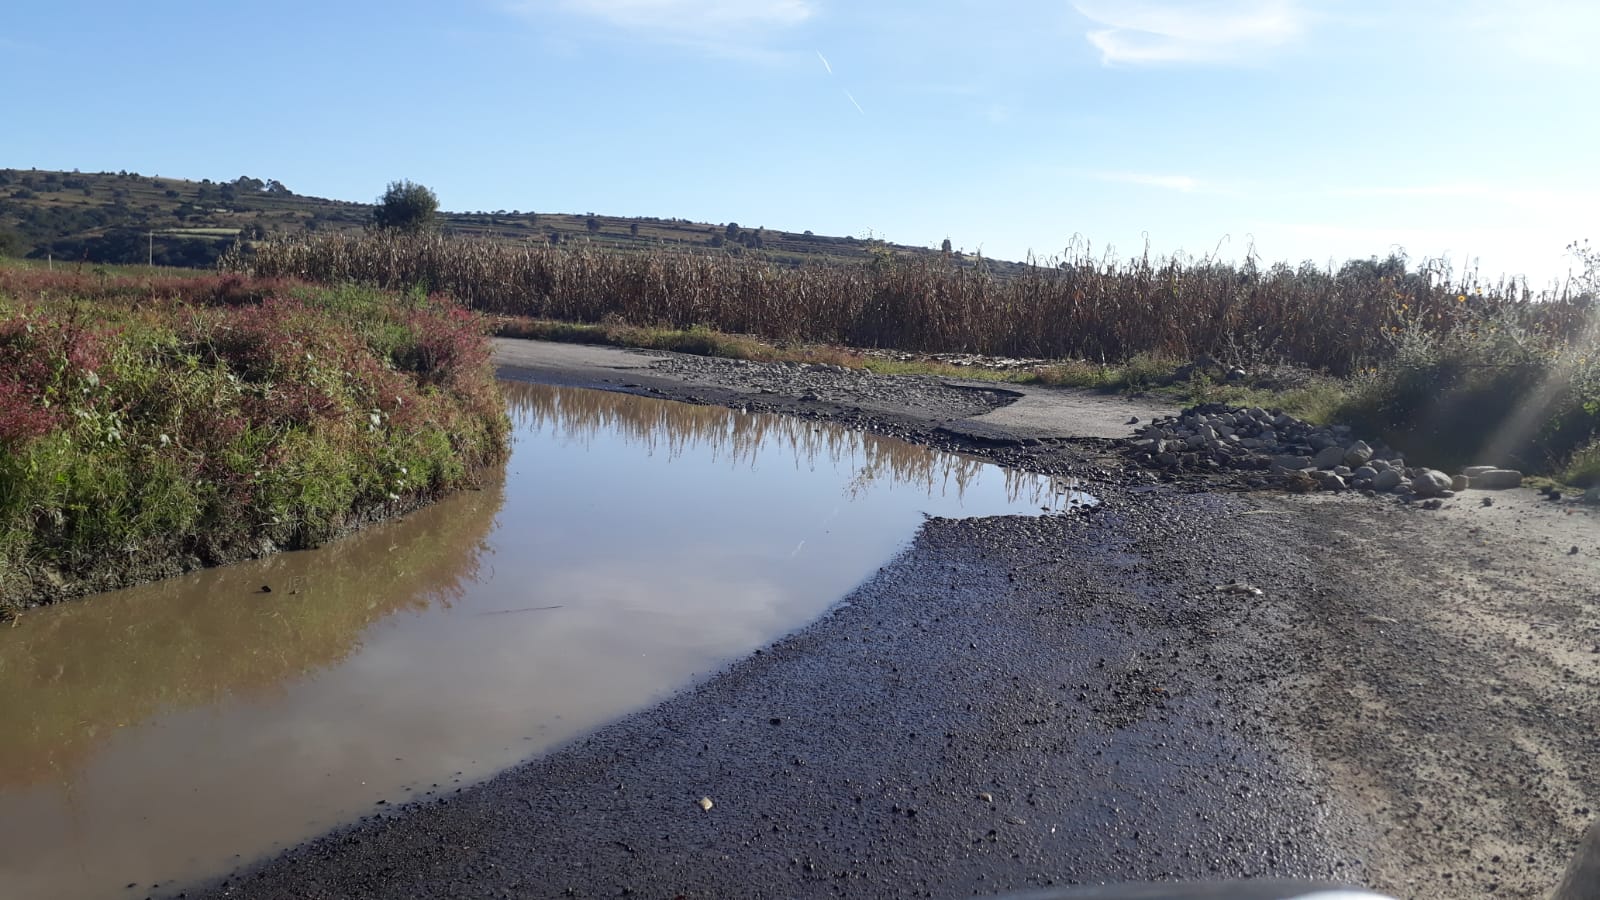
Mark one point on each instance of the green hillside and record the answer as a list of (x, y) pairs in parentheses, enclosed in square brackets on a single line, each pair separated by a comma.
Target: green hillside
[(126, 217)]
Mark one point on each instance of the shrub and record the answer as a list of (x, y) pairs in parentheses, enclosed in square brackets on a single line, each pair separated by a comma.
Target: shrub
[(406, 206), (1490, 391), (1583, 467)]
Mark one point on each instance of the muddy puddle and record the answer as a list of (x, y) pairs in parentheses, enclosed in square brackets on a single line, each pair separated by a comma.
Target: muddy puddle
[(164, 734)]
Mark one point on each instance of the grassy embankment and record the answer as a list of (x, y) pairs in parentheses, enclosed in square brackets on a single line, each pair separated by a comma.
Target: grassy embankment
[(1452, 371), (150, 424)]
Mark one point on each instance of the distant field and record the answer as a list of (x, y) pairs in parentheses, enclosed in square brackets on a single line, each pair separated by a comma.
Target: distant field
[(199, 232), (115, 269)]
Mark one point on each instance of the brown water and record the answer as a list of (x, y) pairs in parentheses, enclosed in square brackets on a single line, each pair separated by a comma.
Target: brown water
[(168, 732)]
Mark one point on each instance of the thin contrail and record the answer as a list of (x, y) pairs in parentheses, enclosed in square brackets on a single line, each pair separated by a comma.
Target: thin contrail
[(825, 63), (858, 106)]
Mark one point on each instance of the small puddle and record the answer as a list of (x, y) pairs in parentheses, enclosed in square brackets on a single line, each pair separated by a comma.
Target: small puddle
[(169, 732)]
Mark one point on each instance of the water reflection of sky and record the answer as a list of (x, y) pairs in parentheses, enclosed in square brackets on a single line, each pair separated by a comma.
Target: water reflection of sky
[(634, 546)]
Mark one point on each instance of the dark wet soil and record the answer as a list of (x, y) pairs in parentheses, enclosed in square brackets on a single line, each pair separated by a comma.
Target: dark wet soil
[(1408, 703), (43, 584)]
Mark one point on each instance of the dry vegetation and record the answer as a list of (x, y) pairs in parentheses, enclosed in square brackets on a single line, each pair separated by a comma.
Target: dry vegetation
[(1430, 363), (1103, 310)]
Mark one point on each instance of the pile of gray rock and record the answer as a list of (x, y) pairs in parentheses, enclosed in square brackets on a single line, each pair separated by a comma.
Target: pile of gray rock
[(1278, 449)]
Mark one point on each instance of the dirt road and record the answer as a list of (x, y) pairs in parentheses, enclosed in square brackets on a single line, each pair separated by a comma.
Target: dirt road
[(1409, 703)]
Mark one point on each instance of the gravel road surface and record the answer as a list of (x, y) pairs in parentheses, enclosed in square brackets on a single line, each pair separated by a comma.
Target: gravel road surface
[(1191, 681)]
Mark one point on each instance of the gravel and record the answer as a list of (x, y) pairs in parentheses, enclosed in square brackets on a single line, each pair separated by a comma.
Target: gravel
[(1184, 683), (834, 385)]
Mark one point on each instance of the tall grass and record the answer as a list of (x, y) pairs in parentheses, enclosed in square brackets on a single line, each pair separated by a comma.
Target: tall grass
[(1105, 309)]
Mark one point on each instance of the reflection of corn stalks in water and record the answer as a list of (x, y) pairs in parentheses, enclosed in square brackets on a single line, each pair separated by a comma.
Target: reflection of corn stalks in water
[(937, 473), (581, 416), (1055, 493), (679, 428)]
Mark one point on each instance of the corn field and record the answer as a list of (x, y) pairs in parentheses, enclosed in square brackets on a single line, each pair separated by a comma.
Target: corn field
[(1103, 310)]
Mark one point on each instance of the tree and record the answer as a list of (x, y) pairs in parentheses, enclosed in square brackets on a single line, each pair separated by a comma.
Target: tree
[(945, 247), (406, 206), (633, 228), (593, 225)]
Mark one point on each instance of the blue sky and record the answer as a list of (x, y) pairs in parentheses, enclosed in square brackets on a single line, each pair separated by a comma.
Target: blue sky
[(1316, 129)]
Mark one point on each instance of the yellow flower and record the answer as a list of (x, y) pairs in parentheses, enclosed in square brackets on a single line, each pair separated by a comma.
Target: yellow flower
[(1461, 299)]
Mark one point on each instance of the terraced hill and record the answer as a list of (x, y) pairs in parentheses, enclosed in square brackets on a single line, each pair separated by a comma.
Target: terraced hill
[(126, 217)]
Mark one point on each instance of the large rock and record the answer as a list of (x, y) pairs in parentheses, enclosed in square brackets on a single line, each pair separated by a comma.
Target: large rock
[(1329, 481), (1359, 454), (1430, 482), (1292, 462), (1493, 479), (1475, 471), (1386, 480), (1329, 457)]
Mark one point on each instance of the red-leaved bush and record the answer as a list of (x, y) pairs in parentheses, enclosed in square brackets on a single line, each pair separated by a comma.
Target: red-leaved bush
[(44, 357), (448, 341), (21, 416)]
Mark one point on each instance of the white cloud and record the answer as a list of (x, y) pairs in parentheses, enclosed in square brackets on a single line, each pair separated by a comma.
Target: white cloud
[(708, 20), (1139, 32), (1185, 183), (1416, 190), (1554, 32)]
